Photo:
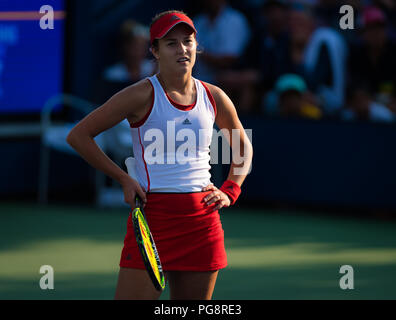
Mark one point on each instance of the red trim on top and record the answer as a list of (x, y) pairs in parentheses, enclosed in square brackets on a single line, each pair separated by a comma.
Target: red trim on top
[(181, 106), (145, 164), (211, 99), (143, 120)]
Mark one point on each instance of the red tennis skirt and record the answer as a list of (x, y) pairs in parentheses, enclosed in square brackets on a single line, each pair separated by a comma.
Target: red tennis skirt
[(188, 234)]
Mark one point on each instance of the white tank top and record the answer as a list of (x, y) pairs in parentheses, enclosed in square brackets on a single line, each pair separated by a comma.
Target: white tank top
[(171, 144)]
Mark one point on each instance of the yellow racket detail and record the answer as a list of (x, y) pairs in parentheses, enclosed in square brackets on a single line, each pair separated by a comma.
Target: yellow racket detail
[(148, 249), (147, 245), (144, 237)]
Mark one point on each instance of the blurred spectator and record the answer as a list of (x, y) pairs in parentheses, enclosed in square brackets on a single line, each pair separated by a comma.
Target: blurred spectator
[(325, 65), (246, 81), (291, 98), (273, 17), (322, 53), (223, 34), (135, 64), (372, 63), (282, 44), (317, 55), (389, 8), (301, 26), (269, 35), (272, 42), (327, 12), (360, 106)]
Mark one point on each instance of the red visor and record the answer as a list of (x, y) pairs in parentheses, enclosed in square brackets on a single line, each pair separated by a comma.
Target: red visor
[(163, 25)]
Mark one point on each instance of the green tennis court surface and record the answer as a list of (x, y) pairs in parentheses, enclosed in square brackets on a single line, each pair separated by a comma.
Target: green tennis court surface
[(271, 254)]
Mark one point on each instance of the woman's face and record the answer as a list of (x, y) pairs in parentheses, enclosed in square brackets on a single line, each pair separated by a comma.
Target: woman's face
[(177, 50)]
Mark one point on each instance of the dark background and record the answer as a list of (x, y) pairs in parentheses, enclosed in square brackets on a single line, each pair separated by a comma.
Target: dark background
[(300, 163)]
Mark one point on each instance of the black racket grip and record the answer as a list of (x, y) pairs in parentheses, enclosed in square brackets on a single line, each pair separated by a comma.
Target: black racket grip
[(138, 202)]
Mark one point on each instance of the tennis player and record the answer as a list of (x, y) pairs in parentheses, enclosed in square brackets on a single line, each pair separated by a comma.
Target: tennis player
[(180, 202)]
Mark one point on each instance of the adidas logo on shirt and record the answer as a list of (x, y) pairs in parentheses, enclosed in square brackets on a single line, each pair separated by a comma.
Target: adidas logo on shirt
[(186, 121)]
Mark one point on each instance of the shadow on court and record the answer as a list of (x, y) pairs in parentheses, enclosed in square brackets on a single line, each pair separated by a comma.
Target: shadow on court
[(271, 255)]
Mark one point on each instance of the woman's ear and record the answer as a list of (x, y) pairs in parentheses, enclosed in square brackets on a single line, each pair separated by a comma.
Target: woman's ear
[(154, 52)]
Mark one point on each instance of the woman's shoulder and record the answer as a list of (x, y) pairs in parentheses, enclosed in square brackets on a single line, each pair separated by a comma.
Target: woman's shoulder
[(221, 102), (138, 98), (139, 90), (213, 88), (217, 93), (134, 99)]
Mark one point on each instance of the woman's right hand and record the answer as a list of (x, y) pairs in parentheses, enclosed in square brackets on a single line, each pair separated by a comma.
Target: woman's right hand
[(131, 187)]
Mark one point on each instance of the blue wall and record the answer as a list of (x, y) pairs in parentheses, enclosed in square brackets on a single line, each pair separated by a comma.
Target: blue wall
[(323, 163)]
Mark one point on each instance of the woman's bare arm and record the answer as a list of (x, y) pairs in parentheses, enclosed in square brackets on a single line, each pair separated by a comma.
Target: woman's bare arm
[(228, 121), (242, 151), (132, 103)]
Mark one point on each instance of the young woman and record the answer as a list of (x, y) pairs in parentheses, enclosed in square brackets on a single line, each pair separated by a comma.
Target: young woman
[(180, 203)]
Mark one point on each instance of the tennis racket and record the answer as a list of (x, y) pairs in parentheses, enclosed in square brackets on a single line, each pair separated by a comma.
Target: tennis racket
[(145, 240)]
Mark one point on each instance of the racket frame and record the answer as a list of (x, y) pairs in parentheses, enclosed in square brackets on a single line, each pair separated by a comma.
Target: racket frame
[(159, 284)]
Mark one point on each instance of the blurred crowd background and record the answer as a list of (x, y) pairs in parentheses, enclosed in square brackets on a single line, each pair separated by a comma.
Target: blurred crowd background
[(279, 58), (319, 99)]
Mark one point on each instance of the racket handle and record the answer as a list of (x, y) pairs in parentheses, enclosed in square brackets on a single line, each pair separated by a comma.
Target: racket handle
[(138, 202)]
